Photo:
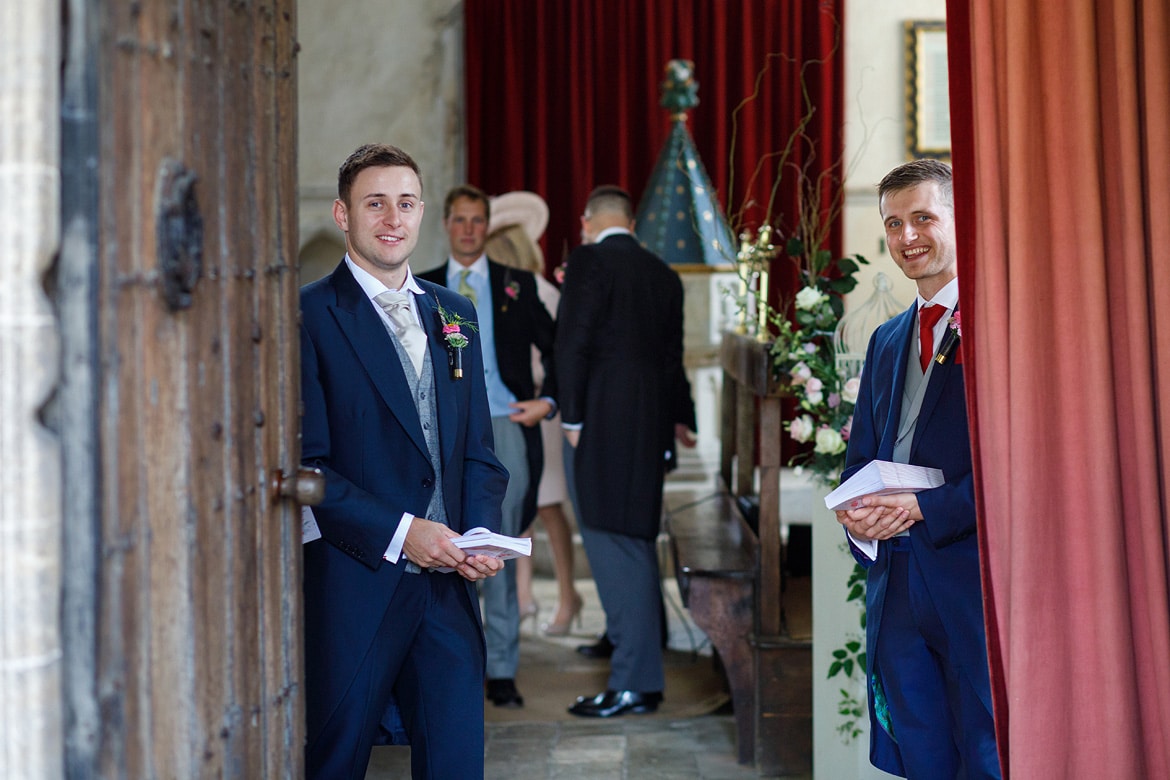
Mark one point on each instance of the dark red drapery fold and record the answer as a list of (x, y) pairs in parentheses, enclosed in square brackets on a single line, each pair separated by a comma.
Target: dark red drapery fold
[(962, 99), (564, 96)]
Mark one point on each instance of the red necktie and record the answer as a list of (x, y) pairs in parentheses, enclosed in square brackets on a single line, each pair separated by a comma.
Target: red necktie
[(928, 317)]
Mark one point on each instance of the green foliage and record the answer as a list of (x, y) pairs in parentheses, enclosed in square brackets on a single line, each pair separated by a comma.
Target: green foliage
[(849, 659)]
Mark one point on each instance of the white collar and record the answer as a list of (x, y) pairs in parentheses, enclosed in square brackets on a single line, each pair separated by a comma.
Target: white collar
[(948, 296), (480, 266), (611, 231), (373, 287)]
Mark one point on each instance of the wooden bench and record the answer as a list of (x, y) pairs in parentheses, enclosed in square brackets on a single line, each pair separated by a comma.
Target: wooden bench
[(714, 554), (730, 573)]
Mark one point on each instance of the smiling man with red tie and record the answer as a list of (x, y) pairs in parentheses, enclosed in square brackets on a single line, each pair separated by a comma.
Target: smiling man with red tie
[(929, 691)]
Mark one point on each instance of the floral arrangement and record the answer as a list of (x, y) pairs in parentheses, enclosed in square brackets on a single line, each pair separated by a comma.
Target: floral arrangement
[(454, 337), (804, 359)]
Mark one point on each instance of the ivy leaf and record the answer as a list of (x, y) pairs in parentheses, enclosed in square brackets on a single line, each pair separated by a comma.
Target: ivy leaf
[(834, 669), (848, 667), (853, 646), (861, 663), (856, 592), (839, 654)]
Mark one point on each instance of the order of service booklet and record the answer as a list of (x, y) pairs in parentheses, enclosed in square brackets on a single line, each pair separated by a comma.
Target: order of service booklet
[(882, 477), (481, 541)]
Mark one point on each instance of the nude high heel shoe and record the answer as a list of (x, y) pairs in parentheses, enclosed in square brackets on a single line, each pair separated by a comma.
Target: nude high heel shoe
[(555, 628), (530, 611)]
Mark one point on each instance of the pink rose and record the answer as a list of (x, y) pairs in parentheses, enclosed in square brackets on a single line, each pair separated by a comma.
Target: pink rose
[(450, 328), (802, 428), (850, 390)]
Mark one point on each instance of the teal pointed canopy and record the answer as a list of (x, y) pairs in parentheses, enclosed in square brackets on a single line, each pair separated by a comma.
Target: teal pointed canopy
[(679, 218)]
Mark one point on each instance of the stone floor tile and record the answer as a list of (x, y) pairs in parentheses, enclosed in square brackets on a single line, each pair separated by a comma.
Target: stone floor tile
[(721, 766), (587, 772), (590, 749)]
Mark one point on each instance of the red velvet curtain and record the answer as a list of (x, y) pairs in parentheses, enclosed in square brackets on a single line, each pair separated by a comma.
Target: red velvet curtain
[(563, 96), (1061, 137)]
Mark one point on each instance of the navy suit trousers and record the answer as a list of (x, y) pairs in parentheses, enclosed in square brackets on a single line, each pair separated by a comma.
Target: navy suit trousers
[(436, 678), (922, 690)]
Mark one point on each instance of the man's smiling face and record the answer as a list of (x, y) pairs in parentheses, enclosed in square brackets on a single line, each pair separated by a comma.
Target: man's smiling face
[(381, 221), (920, 232)]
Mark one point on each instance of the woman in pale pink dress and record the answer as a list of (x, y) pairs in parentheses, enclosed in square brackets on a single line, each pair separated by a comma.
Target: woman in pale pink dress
[(518, 220)]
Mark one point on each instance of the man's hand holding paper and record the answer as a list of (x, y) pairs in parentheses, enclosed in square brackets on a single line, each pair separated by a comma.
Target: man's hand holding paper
[(876, 517)]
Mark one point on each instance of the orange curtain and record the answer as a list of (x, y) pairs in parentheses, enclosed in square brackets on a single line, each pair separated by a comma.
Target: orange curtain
[(1065, 149)]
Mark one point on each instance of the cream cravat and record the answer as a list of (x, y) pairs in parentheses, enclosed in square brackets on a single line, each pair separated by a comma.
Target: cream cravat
[(466, 289), (406, 327)]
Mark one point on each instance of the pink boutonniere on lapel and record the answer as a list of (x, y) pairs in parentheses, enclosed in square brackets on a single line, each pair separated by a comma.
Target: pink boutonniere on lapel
[(512, 292), (950, 341), (454, 338)]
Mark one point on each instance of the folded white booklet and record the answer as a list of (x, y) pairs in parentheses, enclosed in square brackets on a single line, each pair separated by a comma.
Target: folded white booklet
[(481, 541), (883, 477)]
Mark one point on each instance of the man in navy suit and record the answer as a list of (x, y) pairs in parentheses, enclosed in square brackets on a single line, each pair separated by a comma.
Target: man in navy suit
[(929, 692), (512, 321), (392, 643)]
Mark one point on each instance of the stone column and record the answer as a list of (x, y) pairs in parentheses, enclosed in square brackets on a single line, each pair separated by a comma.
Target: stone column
[(30, 481)]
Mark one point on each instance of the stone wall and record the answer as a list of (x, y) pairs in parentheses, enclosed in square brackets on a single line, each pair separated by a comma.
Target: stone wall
[(377, 71), (30, 483)]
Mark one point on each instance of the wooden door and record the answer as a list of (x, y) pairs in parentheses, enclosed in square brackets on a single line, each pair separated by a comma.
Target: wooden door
[(196, 652)]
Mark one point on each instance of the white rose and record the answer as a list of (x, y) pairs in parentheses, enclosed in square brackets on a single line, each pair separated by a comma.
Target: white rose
[(829, 441), (809, 298), (801, 429), (800, 373), (850, 390)]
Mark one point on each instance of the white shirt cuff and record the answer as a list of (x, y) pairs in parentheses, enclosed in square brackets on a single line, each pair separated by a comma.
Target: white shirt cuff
[(395, 549), (868, 547)]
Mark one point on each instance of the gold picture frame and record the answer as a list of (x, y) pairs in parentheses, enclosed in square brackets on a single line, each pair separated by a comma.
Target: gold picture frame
[(928, 114)]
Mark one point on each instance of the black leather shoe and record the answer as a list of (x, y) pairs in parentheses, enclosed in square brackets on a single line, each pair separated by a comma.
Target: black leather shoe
[(614, 703), (602, 649), (503, 693)]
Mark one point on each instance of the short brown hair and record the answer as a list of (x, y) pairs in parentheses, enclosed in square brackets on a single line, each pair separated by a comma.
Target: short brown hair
[(372, 156), (470, 192), (917, 172), (612, 199)]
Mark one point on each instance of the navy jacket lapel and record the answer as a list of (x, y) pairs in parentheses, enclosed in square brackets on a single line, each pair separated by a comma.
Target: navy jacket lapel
[(445, 401), (940, 376), (367, 335)]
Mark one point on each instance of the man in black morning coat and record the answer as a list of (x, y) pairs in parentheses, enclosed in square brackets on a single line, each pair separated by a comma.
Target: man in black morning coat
[(624, 397)]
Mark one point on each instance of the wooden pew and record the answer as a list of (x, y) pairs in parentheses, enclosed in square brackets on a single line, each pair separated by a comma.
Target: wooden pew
[(730, 573)]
